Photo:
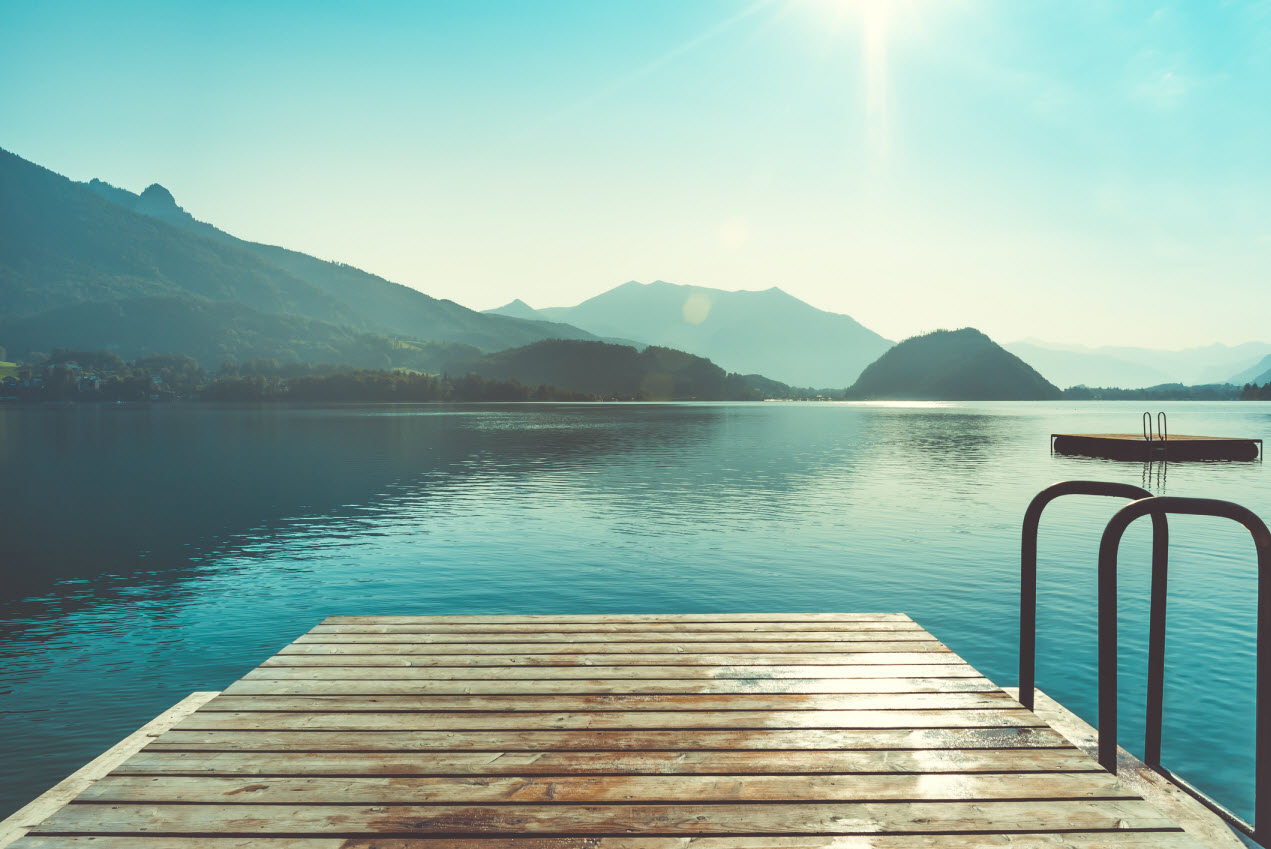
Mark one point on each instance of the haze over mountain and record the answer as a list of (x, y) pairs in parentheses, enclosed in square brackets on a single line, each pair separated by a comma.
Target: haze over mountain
[(768, 331), (1259, 372), (952, 365), (386, 306), (1129, 367), (84, 266)]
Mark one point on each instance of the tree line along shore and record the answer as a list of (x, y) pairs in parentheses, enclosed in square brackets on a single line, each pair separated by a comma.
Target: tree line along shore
[(103, 376)]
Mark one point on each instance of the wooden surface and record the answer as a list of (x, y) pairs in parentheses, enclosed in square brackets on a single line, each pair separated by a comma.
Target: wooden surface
[(780, 731), (1138, 437), (1191, 815)]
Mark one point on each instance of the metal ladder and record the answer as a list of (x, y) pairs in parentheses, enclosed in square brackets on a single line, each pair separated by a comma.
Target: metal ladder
[(1157, 507), (1162, 430)]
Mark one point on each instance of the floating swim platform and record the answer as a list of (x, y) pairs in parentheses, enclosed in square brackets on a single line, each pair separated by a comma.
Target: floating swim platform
[(746, 731), (1132, 446)]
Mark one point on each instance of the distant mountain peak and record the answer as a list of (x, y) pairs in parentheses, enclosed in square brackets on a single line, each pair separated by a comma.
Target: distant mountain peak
[(516, 309), (748, 331), (952, 365), (156, 196)]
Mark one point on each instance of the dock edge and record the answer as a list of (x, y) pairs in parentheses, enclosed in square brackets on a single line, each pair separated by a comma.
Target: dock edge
[(1157, 790), (52, 800)]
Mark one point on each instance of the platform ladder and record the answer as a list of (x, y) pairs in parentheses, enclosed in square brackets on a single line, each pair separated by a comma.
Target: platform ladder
[(1159, 439), (1143, 503)]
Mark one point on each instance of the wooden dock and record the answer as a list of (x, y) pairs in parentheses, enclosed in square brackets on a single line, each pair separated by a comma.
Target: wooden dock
[(781, 731), (1133, 446)]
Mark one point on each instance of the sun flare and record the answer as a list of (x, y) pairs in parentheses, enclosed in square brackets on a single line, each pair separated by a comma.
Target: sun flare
[(875, 22)]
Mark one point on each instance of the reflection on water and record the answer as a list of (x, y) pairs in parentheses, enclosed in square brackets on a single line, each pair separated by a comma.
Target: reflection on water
[(152, 552), (1155, 476)]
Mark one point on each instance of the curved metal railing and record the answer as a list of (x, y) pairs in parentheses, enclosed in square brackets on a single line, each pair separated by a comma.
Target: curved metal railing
[(1028, 565), (1109, 545)]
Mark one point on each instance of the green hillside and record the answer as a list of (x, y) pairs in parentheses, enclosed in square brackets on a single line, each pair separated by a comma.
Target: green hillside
[(951, 365), (66, 245), (654, 374), (61, 244), (214, 332), (381, 304)]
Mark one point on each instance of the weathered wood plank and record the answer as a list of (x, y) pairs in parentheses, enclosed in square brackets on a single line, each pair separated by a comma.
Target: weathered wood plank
[(662, 702), (427, 626), (338, 656), (421, 638), (618, 820), (628, 732), (604, 720), (592, 740), (664, 789), (804, 762), (306, 683), (1051, 840), (864, 666), (616, 619), (1193, 817), (621, 649)]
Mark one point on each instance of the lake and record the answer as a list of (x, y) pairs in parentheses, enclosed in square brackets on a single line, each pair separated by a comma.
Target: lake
[(150, 552)]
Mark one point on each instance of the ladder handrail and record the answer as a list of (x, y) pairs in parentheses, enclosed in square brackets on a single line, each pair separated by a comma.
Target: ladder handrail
[(1147, 426), (1109, 545), (1028, 565)]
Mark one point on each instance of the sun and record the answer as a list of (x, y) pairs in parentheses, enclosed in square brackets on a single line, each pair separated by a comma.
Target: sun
[(872, 14), (875, 23)]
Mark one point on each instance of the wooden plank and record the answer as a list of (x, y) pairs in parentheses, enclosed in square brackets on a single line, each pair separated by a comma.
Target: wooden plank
[(605, 720), (1052, 840), (306, 683), (618, 820), (51, 800), (616, 619), (553, 637), (940, 666), (593, 740), (151, 762), (1197, 820), (338, 656), (425, 625), (663, 789), (555, 703), (620, 649)]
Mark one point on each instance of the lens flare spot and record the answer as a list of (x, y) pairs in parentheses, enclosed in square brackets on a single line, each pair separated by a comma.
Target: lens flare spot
[(696, 308)]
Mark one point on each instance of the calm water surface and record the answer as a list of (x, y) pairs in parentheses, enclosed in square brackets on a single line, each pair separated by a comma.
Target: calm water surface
[(151, 552)]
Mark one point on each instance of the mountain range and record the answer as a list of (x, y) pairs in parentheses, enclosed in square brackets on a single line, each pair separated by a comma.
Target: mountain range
[(91, 265), (1138, 367), (769, 332)]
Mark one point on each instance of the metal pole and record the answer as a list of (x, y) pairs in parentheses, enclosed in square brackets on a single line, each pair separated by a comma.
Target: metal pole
[(1156, 640), (1109, 544), (1028, 568)]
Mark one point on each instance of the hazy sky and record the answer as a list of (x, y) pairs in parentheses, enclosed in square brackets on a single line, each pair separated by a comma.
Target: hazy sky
[(1085, 171)]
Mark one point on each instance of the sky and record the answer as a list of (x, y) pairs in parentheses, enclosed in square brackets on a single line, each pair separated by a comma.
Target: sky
[(1077, 171)]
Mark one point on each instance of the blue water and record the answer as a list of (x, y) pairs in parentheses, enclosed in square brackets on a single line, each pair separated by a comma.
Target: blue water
[(150, 552)]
